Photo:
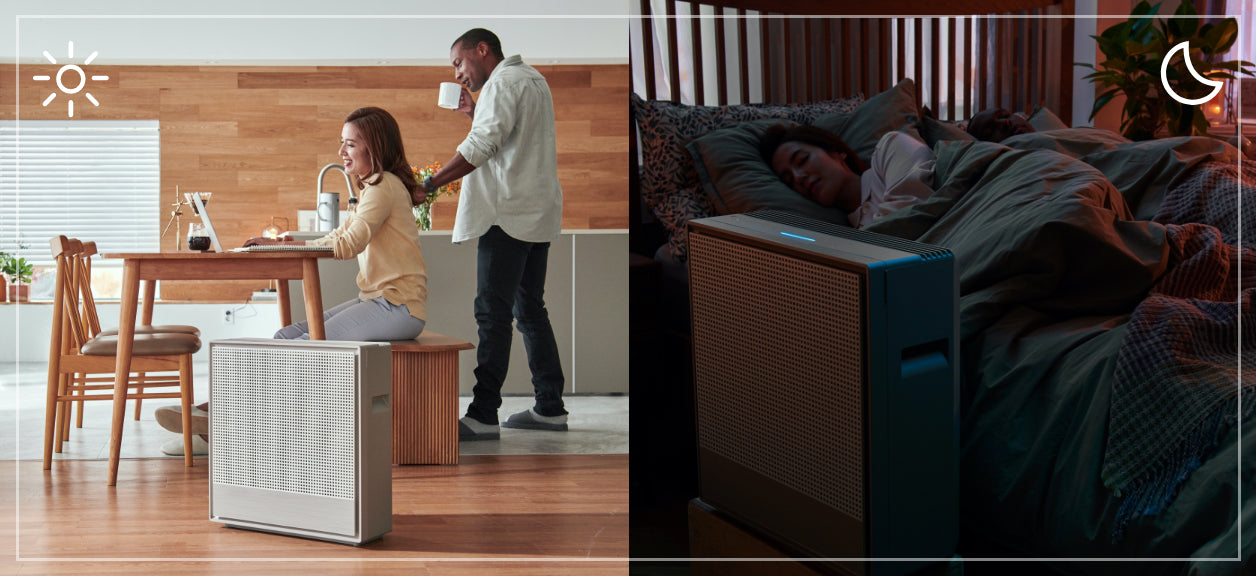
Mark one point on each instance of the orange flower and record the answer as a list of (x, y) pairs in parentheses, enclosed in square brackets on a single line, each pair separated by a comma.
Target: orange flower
[(428, 171)]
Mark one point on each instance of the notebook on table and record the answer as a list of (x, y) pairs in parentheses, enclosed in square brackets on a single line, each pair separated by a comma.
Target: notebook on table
[(283, 248)]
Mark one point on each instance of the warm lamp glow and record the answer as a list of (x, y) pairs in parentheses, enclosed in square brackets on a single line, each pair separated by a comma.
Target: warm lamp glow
[(1214, 110), (274, 230)]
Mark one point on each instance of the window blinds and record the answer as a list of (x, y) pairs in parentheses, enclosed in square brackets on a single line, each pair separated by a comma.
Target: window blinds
[(88, 179)]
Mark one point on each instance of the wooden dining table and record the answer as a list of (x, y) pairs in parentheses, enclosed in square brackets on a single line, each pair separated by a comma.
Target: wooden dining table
[(151, 267)]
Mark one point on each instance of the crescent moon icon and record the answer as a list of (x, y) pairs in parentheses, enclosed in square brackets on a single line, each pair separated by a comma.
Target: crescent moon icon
[(1164, 80)]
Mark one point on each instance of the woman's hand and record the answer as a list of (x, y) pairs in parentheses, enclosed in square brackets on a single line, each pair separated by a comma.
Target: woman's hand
[(282, 240)]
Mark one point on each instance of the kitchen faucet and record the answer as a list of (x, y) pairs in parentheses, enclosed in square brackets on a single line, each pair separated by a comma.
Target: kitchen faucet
[(353, 194)]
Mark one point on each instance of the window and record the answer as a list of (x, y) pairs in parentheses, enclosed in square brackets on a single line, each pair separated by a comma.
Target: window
[(89, 179), (1244, 11)]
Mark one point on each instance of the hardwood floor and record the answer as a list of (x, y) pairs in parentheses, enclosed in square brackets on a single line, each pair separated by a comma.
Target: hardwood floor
[(511, 515)]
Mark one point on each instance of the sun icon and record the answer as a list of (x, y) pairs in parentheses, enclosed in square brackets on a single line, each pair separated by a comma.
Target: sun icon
[(67, 72)]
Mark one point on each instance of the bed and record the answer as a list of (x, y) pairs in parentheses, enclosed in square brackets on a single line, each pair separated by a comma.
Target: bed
[(1100, 304)]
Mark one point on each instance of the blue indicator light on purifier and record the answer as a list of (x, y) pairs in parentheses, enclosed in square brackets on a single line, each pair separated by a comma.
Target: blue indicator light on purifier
[(800, 237)]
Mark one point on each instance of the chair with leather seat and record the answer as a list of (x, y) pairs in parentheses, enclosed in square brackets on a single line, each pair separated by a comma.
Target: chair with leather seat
[(83, 278), (73, 352), (79, 258)]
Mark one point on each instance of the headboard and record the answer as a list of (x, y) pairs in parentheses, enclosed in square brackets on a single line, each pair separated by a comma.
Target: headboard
[(1013, 53), (965, 55)]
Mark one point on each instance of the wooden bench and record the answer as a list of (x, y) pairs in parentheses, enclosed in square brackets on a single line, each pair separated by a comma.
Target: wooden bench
[(425, 399)]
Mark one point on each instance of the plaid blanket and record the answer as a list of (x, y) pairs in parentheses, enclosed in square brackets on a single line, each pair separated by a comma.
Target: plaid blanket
[(1178, 373)]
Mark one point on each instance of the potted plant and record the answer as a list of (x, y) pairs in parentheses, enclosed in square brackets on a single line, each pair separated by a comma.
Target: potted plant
[(4, 291), (18, 271), (1133, 52)]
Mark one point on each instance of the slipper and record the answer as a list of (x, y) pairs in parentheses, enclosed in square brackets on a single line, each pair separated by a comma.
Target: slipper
[(530, 420), (470, 429), (175, 447), (171, 418)]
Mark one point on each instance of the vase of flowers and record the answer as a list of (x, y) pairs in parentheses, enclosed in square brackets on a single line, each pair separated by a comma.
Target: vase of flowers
[(423, 216), (423, 211)]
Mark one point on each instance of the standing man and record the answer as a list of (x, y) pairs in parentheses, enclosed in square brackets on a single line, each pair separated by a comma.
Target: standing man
[(512, 202)]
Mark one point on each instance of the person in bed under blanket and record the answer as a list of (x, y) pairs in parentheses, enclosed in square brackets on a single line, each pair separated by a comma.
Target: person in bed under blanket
[(997, 124), (820, 166)]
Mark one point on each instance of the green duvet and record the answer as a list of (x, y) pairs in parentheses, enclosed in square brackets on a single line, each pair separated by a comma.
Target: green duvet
[(1056, 251)]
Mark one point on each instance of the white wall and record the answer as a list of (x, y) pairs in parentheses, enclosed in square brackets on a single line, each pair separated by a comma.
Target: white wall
[(366, 32), (29, 326), (1084, 50), (586, 294)]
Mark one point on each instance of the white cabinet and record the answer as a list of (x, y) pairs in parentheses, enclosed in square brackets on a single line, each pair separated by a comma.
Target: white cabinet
[(586, 294)]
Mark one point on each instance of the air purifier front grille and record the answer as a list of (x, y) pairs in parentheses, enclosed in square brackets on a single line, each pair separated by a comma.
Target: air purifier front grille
[(779, 368), (284, 420)]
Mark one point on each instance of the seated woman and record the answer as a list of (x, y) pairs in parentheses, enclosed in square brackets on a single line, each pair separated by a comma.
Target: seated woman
[(996, 124), (392, 280), (392, 276), (820, 166)]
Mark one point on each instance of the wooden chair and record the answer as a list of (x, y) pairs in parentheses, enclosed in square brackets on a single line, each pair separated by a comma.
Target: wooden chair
[(91, 320), (71, 352), (80, 275)]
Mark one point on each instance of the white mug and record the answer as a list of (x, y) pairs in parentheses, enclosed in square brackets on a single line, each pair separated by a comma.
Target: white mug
[(449, 94)]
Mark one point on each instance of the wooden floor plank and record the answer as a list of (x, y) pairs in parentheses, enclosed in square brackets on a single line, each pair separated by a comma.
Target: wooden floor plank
[(512, 515)]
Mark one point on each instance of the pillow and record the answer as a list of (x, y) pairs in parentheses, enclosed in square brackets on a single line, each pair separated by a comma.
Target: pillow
[(667, 170), (933, 131), (1042, 120), (894, 109), (735, 178)]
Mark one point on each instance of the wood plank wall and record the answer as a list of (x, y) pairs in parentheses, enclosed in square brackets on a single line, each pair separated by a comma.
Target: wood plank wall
[(257, 136)]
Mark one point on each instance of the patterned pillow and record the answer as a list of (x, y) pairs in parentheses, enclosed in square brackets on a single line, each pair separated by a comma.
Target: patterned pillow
[(669, 180)]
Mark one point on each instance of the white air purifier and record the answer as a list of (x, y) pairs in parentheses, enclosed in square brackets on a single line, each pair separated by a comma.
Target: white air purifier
[(301, 437), (826, 388)]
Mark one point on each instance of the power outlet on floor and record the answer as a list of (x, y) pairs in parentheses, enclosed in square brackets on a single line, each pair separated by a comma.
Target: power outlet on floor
[(228, 316)]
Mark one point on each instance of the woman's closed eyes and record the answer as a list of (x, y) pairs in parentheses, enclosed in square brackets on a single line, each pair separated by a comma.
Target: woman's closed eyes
[(797, 162)]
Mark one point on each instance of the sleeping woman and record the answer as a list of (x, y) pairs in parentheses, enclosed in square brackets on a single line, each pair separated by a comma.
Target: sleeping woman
[(817, 164)]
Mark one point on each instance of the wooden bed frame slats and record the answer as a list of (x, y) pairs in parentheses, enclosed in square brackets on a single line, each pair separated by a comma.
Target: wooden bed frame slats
[(673, 70), (983, 61), (744, 63), (826, 62), (695, 31), (935, 72), (1012, 54), (845, 59), (901, 30), (952, 66)]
